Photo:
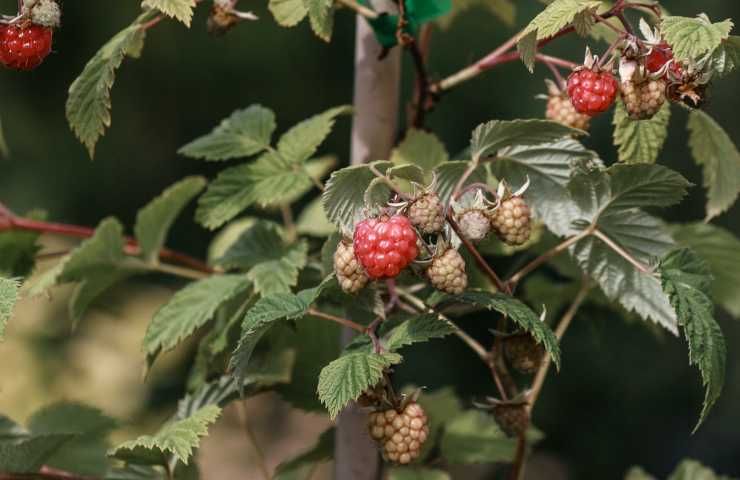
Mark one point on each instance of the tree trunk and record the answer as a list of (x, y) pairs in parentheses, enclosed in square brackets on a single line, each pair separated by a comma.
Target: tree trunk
[(376, 100)]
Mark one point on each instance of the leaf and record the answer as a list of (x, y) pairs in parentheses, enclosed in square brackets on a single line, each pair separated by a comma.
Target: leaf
[(26, 454), (8, 298), (178, 438), (101, 252), (726, 58), (245, 133), (548, 167), (301, 142), (154, 221), (474, 437), (271, 265), (267, 181), (88, 104), (188, 310), (181, 10), (527, 48), (721, 250), (312, 220), (420, 148), (343, 198), (448, 175), (640, 141), (693, 470), (261, 317), (344, 379), (415, 473), (686, 279), (713, 149), (637, 473), (557, 15), (19, 249), (690, 38), (521, 314), (321, 15), (319, 453), (85, 453), (417, 330), (489, 138), (288, 13)]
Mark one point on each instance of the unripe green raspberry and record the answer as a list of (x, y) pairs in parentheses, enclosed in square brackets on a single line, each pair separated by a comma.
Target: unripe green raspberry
[(426, 214), (350, 274), (511, 221), (474, 224), (447, 272), (400, 434)]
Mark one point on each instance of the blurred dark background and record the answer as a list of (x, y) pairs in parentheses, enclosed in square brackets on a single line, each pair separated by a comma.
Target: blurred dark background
[(625, 396)]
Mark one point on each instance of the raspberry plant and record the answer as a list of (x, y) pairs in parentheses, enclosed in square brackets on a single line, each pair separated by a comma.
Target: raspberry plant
[(397, 249)]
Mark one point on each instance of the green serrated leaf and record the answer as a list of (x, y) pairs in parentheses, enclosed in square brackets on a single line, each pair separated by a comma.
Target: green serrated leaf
[(448, 175), (8, 298), (343, 198), (637, 473), (344, 379), (321, 16), (726, 58), (527, 48), (19, 250), (692, 37), (557, 15), (420, 148), (640, 141), (295, 469), (181, 10), (377, 194), (693, 470), (686, 278), (713, 149), (189, 309), (416, 330), (26, 454), (178, 438), (300, 142), (312, 221), (154, 221), (548, 168), (261, 317), (288, 13), (88, 104), (488, 138), (721, 250), (245, 133), (521, 314), (474, 437)]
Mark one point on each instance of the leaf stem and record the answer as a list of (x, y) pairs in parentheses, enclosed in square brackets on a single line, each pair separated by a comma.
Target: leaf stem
[(621, 251), (45, 473), (333, 318), (388, 182)]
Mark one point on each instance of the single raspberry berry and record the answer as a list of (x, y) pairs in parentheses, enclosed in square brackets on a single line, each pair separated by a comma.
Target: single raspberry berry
[(385, 246), (561, 110), (43, 12), (474, 224), (350, 274), (513, 418), (400, 435), (592, 92), (658, 57), (24, 48), (643, 100), (524, 353), (447, 272), (426, 214), (512, 221)]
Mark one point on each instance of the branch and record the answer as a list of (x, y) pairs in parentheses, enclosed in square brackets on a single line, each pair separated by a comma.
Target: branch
[(45, 473), (10, 221), (333, 318)]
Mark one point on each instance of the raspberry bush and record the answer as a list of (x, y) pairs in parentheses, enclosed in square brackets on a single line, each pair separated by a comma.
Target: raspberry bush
[(519, 231)]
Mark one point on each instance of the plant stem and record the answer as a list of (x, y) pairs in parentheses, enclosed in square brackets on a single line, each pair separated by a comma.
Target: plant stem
[(560, 330), (621, 251), (517, 470), (45, 473), (288, 222), (252, 440), (333, 318), (359, 9)]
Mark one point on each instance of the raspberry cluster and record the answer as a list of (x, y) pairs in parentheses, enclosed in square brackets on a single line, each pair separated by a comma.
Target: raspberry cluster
[(426, 214), (385, 246), (400, 434), (447, 272), (350, 274), (524, 353), (512, 221)]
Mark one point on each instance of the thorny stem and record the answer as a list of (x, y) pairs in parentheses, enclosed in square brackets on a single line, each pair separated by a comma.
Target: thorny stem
[(252, 440), (10, 221), (333, 318), (359, 9), (622, 252)]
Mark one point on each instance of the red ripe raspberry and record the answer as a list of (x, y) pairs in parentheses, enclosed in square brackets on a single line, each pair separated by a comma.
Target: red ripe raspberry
[(592, 92), (24, 48), (385, 246)]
